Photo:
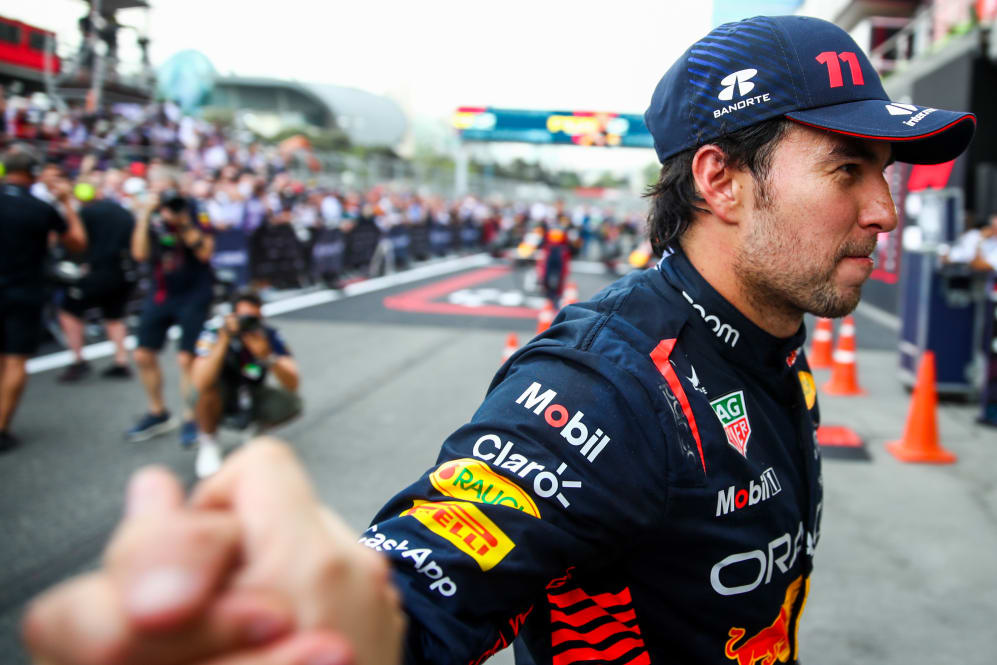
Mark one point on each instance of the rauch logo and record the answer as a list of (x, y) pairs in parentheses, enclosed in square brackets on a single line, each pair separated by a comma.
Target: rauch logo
[(573, 430), (473, 480), (736, 499)]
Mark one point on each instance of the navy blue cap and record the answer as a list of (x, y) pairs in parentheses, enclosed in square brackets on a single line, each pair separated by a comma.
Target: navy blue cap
[(806, 69)]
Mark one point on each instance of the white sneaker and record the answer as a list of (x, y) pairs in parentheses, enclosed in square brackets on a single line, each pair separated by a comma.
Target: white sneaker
[(209, 459)]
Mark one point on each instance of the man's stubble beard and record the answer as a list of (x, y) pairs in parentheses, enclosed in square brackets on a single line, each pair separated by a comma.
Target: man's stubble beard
[(768, 267)]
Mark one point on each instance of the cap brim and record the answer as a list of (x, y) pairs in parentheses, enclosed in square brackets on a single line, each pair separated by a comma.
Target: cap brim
[(935, 136)]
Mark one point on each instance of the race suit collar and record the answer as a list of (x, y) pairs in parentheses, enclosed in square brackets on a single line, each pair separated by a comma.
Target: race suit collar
[(732, 333)]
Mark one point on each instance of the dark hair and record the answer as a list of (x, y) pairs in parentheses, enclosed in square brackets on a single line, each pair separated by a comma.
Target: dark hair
[(674, 199), (21, 158), (249, 295)]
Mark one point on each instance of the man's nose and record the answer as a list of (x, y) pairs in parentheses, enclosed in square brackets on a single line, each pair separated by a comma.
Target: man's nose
[(879, 211)]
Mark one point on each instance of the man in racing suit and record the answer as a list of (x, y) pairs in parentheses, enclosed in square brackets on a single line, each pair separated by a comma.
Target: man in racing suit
[(642, 482), (657, 449)]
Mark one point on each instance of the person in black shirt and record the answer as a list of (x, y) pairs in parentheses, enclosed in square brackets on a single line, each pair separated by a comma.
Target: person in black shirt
[(25, 226), (178, 244), (234, 358), (106, 285)]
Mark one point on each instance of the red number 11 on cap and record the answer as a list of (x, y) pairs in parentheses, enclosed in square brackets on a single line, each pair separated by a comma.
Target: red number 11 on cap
[(830, 58)]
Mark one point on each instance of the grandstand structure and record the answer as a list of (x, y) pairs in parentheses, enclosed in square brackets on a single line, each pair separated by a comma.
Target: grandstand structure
[(368, 120)]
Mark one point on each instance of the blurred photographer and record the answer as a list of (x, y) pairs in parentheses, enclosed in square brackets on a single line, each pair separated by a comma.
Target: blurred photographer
[(229, 376), (26, 224), (177, 243)]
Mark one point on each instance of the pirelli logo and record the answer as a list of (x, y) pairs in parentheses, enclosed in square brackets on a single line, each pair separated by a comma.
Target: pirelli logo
[(466, 527)]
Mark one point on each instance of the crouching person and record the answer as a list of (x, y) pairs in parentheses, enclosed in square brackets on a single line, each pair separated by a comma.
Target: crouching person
[(230, 378)]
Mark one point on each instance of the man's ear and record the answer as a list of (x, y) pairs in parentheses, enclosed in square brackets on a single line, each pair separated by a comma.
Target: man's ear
[(717, 183)]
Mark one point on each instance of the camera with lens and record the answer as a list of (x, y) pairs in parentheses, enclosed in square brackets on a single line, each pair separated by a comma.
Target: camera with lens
[(249, 323), (173, 200)]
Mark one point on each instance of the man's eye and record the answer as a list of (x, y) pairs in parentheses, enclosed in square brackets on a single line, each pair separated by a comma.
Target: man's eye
[(850, 169)]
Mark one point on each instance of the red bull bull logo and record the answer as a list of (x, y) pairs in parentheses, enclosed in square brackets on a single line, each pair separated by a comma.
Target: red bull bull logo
[(771, 644)]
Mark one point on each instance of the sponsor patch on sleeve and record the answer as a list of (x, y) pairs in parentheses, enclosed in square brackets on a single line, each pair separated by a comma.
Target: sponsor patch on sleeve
[(466, 528), (809, 388), (473, 480)]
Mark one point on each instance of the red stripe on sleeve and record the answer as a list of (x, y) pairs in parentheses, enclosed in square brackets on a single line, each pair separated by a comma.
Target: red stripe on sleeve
[(659, 356)]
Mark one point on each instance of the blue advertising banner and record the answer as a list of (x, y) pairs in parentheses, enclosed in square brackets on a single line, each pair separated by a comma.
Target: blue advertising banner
[(586, 128), (232, 254), (328, 251)]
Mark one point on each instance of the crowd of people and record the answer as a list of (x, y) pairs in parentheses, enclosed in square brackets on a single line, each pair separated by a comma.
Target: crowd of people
[(157, 192)]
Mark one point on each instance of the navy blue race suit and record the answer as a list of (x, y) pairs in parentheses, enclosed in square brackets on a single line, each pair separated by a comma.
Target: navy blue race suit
[(640, 485)]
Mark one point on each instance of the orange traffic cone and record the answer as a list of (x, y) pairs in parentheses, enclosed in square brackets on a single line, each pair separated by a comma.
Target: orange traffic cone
[(844, 374), (511, 345), (920, 439), (820, 350), (570, 294), (545, 317)]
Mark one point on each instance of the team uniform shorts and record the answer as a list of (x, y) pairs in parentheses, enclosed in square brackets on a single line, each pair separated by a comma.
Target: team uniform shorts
[(20, 327), (108, 295), (187, 312)]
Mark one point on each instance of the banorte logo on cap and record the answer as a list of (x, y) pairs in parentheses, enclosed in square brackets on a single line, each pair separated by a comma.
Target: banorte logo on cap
[(742, 79)]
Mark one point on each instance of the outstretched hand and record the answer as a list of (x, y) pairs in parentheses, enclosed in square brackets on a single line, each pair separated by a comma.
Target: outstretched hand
[(252, 571)]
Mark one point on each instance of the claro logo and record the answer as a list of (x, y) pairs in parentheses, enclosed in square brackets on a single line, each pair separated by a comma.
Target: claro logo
[(573, 430), (732, 498), (723, 330)]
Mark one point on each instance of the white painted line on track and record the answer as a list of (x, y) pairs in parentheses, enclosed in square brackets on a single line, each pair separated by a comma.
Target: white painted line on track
[(599, 268), (880, 316), (105, 349)]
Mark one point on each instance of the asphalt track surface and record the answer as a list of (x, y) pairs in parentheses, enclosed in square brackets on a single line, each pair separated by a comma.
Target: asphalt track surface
[(388, 373)]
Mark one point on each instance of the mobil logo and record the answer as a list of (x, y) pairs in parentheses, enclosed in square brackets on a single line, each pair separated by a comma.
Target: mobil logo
[(732, 498), (572, 427), (473, 480)]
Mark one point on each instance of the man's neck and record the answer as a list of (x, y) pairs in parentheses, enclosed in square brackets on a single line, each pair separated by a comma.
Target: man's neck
[(19, 179), (716, 265)]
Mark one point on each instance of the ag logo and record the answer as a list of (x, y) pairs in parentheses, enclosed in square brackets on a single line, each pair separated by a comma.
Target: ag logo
[(742, 79), (900, 109), (733, 415)]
